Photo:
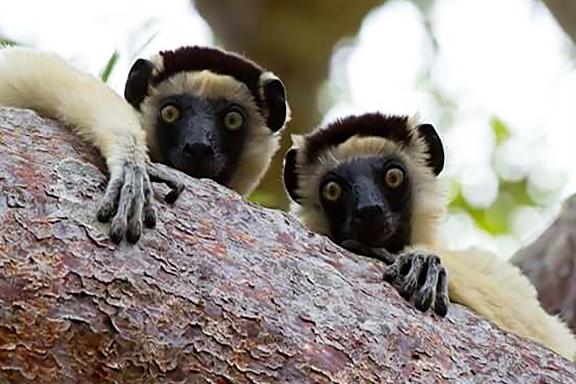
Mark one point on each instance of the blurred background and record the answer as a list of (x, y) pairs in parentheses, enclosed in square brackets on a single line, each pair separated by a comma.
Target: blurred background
[(497, 79)]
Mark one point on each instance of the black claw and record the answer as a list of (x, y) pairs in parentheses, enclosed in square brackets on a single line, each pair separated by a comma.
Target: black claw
[(134, 233), (105, 212), (172, 196), (442, 296), (116, 233), (423, 300), (441, 308), (150, 217)]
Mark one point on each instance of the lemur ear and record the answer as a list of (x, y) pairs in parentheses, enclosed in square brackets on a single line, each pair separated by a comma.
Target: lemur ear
[(275, 98), (136, 88), (435, 147), (290, 176)]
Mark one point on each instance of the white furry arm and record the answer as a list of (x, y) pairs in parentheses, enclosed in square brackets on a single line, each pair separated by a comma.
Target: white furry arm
[(46, 83), (497, 290)]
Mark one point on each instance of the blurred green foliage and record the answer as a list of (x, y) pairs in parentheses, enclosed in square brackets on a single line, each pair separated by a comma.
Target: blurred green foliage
[(110, 64), (6, 42), (496, 219)]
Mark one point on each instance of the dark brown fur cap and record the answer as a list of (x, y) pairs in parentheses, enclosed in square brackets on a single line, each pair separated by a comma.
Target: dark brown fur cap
[(394, 128), (196, 58)]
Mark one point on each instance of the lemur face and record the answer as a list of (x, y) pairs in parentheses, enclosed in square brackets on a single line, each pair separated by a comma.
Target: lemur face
[(368, 200), (368, 179), (201, 137), (209, 113)]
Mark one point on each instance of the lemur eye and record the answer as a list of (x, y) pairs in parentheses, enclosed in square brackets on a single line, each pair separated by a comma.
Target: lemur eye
[(233, 120), (394, 177), (332, 191), (170, 113)]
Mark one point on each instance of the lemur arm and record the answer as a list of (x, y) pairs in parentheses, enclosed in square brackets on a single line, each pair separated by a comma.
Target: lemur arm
[(497, 290), (46, 83)]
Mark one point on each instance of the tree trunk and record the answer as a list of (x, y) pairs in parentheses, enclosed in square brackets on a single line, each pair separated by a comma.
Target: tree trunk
[(549, 263), (222, 291), (295, 39)]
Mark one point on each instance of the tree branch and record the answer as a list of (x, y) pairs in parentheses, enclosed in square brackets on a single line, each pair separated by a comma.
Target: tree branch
[(221, 291)]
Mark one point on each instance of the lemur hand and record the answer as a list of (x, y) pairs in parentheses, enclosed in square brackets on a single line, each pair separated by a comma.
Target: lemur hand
[(420, 277), (128, 198)]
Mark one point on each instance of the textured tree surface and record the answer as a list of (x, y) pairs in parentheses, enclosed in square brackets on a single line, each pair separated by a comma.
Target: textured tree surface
[(549, 263), (295, 39), (221, 292)]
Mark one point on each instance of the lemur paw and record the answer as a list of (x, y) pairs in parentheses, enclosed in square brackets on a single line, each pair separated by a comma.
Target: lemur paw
[(127, 201), (161, 174), (421, 278)]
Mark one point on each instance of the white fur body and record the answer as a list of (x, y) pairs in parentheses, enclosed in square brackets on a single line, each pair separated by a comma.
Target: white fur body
[(46, 83), (492, 288)]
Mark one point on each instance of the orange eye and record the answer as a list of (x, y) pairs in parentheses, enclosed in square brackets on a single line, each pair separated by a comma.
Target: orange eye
[(332, 191), (394, 177), (170, 113)]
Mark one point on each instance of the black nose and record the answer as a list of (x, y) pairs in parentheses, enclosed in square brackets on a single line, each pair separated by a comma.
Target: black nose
[(369, 212), (199, 150)]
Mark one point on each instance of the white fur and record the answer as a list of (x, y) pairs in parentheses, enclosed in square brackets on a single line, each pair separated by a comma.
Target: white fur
[(46, 83)]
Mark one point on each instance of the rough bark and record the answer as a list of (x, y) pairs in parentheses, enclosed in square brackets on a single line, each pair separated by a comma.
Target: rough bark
[(295, 39), (221, 292), (549, 263)]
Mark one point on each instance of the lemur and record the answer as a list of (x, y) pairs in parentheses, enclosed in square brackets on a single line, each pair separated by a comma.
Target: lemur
[(204, 111), (370, 183)]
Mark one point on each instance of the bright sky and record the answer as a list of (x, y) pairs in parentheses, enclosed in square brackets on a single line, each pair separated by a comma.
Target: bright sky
[(496, 58)]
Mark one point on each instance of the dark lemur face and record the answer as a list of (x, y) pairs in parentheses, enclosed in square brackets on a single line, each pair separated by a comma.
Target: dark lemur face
[(368, 200), (209, 113), (368, 179), (201, 137)]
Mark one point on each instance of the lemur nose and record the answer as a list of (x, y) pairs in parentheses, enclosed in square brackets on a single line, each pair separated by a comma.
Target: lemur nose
[(369, 212), (199, 150)]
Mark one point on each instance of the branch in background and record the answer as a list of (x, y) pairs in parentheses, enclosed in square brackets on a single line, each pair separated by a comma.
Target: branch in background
[(550, 263), (565, 13)]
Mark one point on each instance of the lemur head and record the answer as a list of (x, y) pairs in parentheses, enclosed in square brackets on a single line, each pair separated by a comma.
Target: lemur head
[(369, 178), (209, 113)]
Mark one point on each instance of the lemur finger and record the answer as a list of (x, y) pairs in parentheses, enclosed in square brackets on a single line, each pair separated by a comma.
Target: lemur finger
[(149, 211), (160, 175), (136, 209), (109, 203), (410, 282), (119, 222), (429, 278), (442, 297), (395, 272)]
